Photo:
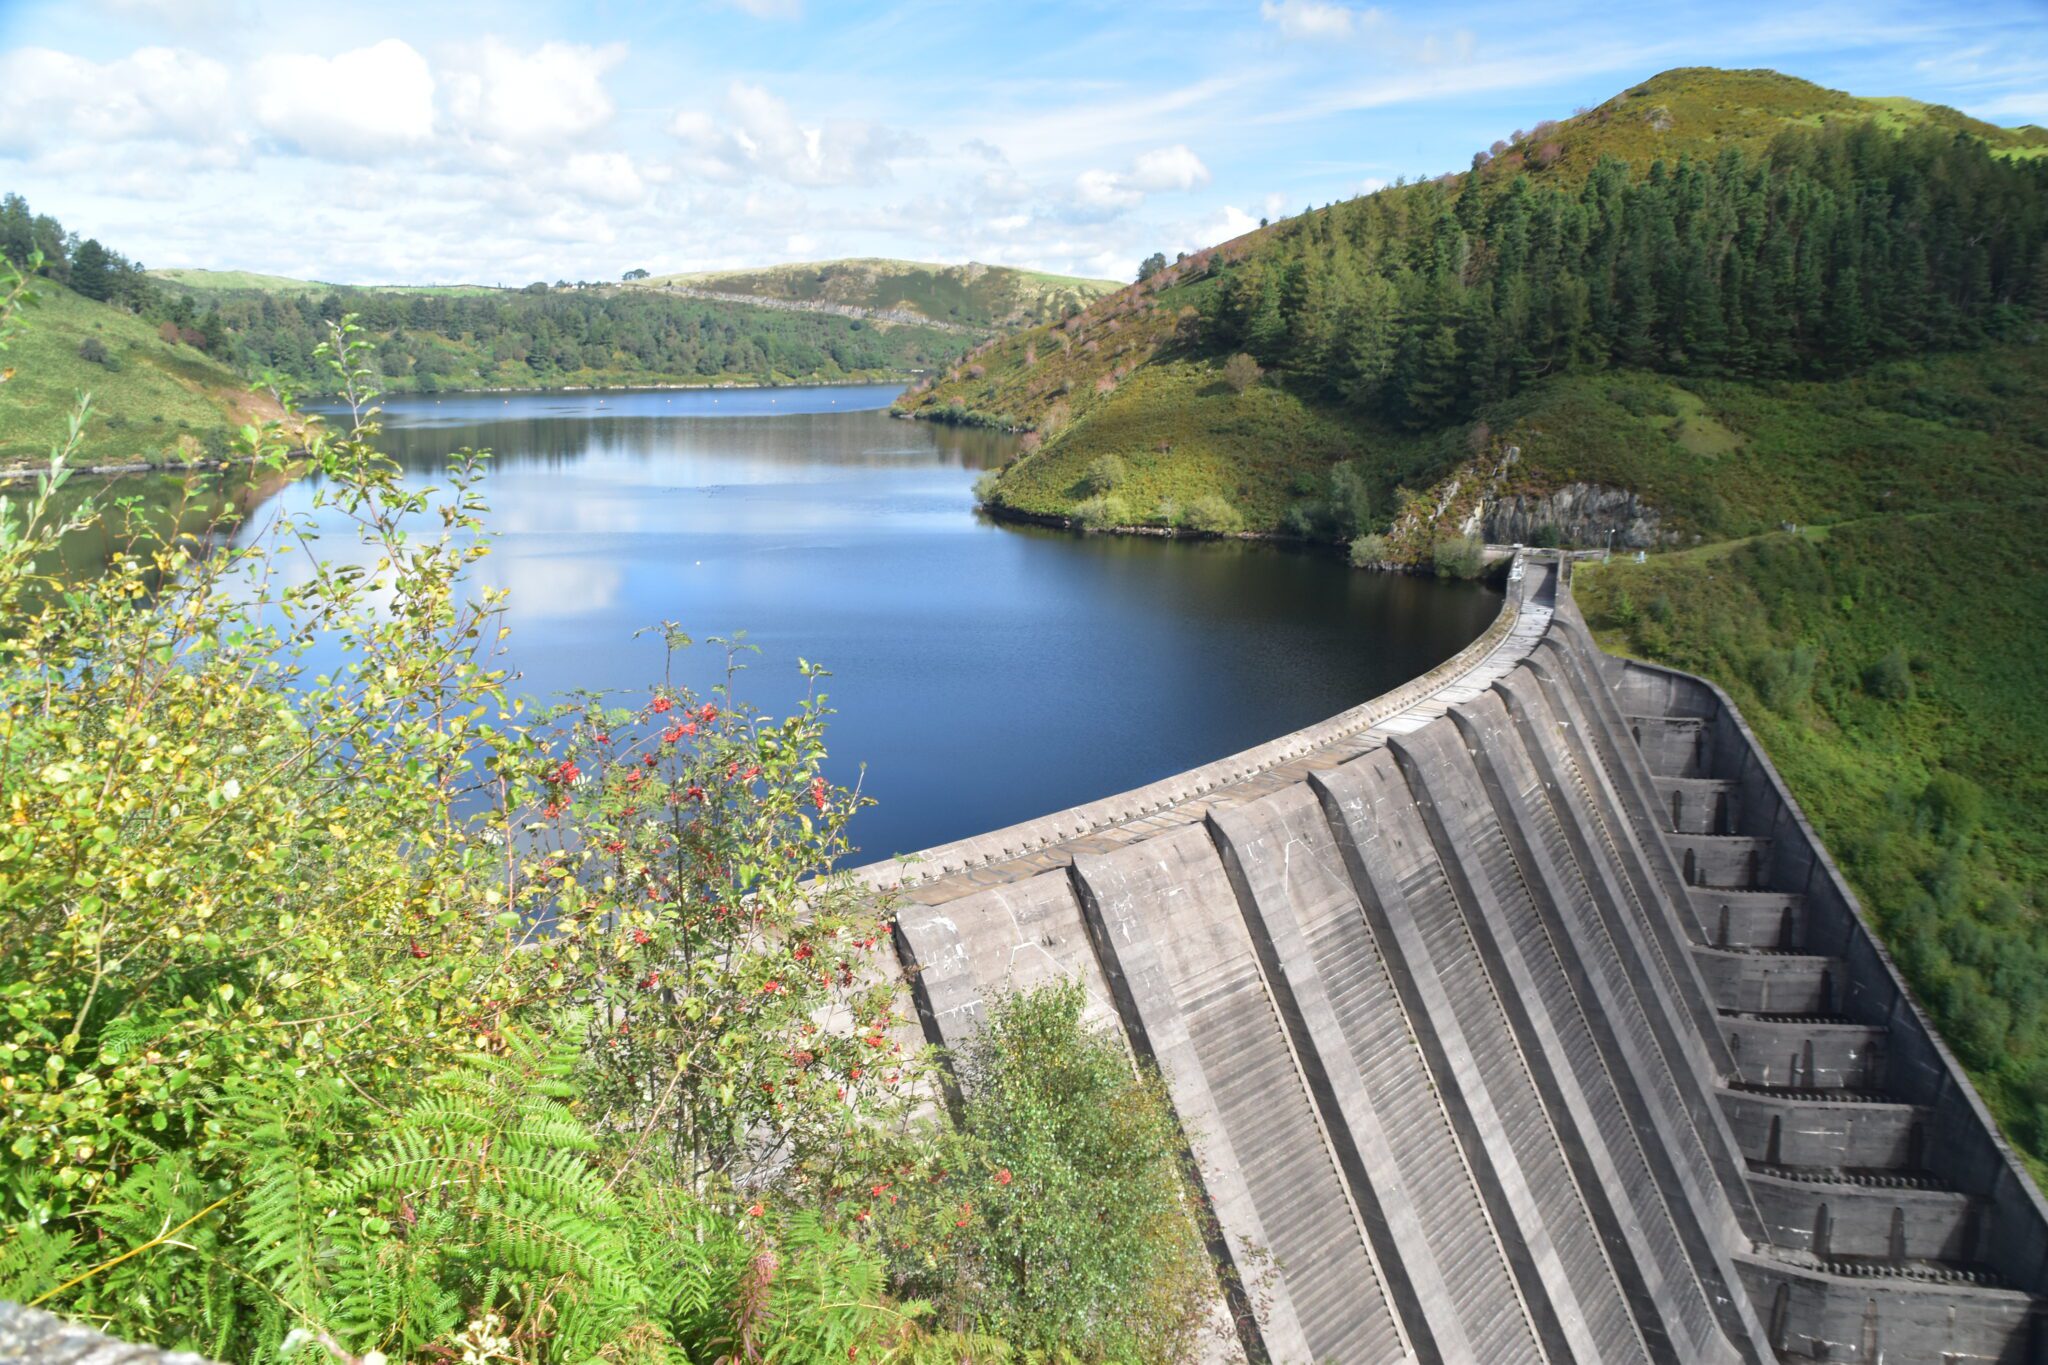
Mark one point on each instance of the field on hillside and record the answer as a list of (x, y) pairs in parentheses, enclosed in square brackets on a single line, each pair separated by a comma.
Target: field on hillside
[(152, 399), (1716, 457), (203, 282), (1183, 436), (969, 295), (1723, 457)]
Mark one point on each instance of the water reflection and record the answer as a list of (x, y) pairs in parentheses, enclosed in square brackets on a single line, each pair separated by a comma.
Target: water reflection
[(984, 674)]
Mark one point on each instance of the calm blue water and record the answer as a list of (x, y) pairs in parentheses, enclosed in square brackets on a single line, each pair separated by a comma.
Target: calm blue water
[(983, 674)]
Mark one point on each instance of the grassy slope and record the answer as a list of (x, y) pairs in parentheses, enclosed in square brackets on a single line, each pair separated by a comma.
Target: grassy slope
[(1696, 110), (971, 295), (1182, 435), (1723, 458), (156, 400), (1689, 111)]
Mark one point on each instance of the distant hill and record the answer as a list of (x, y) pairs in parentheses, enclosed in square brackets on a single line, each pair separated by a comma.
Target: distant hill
[(154, 399), (201, 281), (988, 297)]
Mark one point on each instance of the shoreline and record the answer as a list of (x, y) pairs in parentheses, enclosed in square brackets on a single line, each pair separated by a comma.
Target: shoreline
[(1049, 521), (24, 472), (317, 402), (636, 387)]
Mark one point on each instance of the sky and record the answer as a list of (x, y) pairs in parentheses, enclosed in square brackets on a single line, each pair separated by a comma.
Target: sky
[(510, 141)]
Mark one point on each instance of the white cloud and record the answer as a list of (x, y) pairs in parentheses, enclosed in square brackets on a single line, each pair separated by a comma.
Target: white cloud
[(2021, 105), (372, 100), (1172, 168), (153, 93), (1106, 190), (609, 177), (1169, 168), (1312, 19), (553, 94), (761, 135), (575, 226)]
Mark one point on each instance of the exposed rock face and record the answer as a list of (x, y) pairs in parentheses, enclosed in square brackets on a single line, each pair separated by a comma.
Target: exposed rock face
[(1579, 514), (32, 1337)]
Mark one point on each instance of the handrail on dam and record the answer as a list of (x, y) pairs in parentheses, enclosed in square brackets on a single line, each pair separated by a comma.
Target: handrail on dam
[(1049, 840)]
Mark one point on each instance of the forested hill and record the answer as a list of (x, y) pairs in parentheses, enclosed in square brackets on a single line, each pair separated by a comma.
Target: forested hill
[(834, 320), (158, 397), (1823, 233), (428, 339), (988, 297)]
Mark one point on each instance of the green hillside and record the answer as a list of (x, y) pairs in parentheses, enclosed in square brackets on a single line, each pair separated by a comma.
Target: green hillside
[(972, 295), (428, 340), (153, 399), (1823, 234), (1703, 111)]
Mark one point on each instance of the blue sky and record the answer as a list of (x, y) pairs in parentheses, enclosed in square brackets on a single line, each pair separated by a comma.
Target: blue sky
[(504, 142)]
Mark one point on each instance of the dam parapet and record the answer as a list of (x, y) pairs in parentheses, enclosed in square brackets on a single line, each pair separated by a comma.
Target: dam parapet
[(1518, 1017)]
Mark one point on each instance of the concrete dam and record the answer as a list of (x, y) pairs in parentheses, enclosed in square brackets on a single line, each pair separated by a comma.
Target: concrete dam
[(1516, 1016)]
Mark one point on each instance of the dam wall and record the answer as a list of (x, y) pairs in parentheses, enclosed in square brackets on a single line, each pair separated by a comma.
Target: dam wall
[(1519, 1016)]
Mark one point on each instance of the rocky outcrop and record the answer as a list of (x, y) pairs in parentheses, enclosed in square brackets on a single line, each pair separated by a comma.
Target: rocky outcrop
[(1499, 498), (902, 316), (28, 1335), (1575, 515)]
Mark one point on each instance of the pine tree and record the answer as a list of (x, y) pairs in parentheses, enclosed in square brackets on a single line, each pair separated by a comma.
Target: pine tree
[(91, 270)]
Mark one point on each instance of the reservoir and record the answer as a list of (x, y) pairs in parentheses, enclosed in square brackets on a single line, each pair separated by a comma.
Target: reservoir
[(982, 673)]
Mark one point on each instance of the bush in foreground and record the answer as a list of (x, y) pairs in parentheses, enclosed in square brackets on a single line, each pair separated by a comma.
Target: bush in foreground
[(362, 1014), (1059, 1213), (289, 1056)]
